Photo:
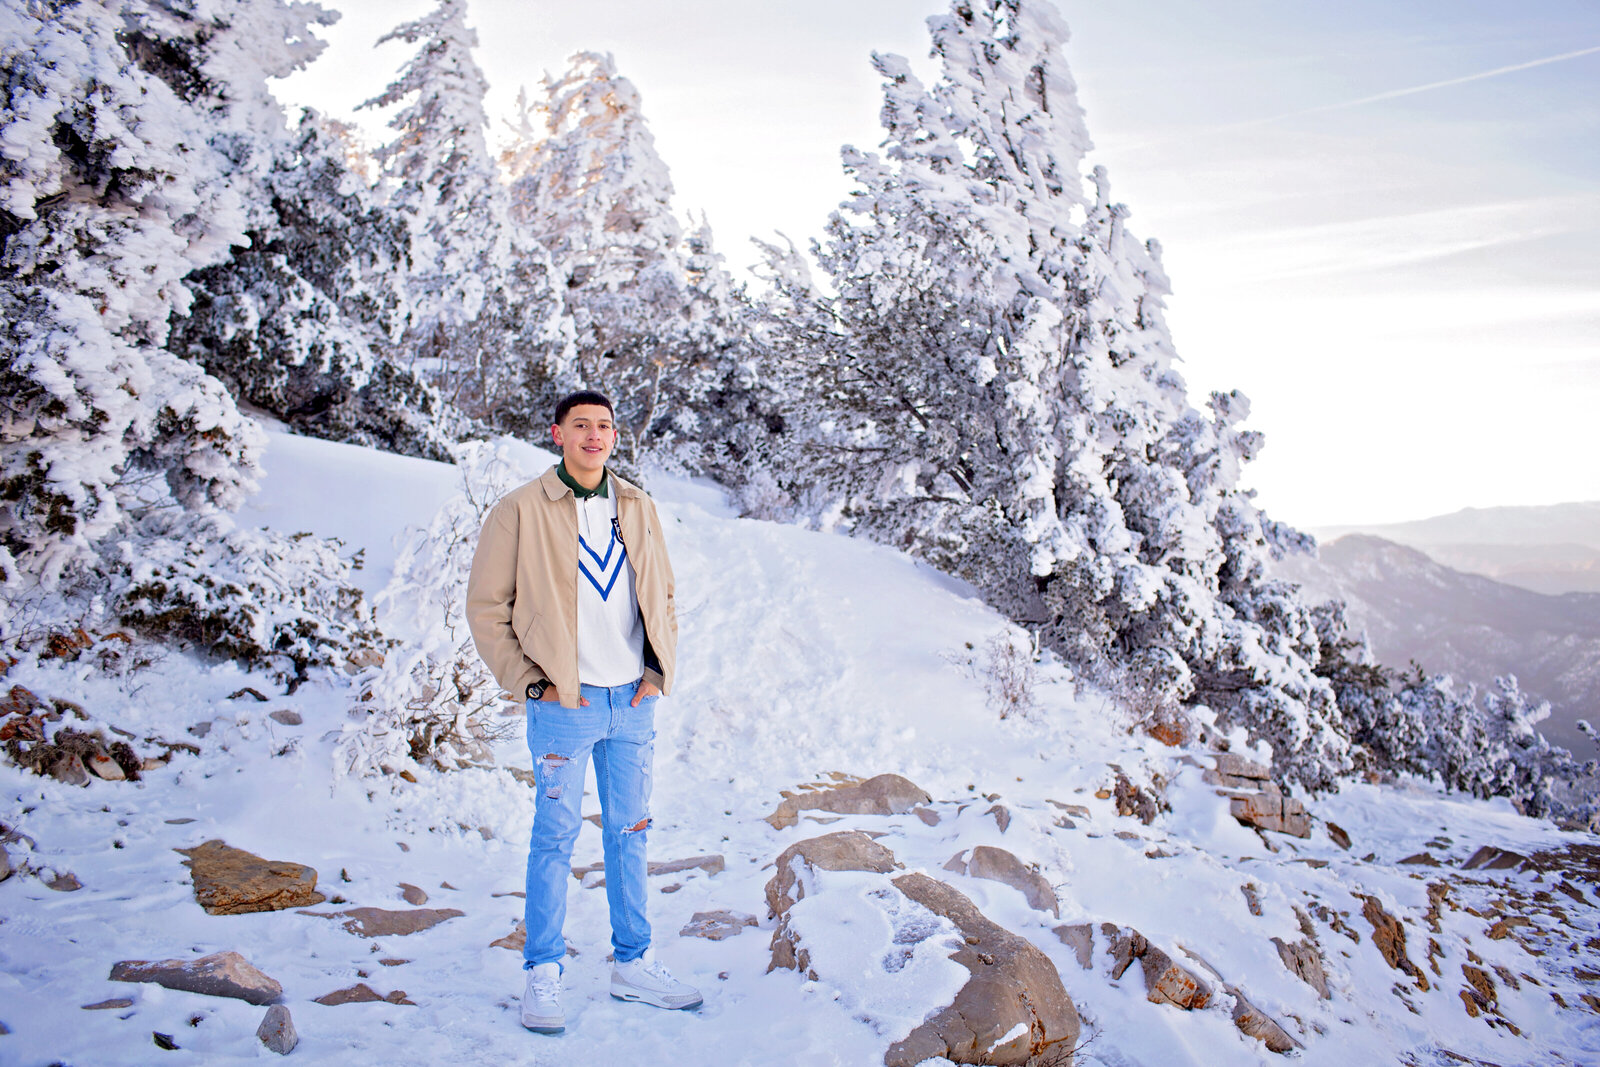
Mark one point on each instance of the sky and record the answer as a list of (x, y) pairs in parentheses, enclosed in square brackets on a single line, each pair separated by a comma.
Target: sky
[(1381, 221)]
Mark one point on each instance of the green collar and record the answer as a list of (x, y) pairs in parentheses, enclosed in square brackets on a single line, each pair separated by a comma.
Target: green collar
[(603, 489)]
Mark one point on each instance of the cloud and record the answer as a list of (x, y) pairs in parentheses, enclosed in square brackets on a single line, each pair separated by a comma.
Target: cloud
[(1361, 101), (1388, 241)]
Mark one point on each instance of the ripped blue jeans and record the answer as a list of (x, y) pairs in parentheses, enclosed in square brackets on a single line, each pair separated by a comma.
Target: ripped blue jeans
[(620, 739)]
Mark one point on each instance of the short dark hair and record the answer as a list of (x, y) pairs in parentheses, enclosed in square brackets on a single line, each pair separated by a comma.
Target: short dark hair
[(583, 396)]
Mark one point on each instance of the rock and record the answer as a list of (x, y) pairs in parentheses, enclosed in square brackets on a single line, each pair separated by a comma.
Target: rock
[(231, 881), (287, 717), (717, 925), (1490, 858), (164, 1041), (886, 794), (221, 974), (1269, 810), (110, 1005), (1165, 980), (1305, 963), (843, 850), (1337, 834), (19, 700), (63, 882), (1389, 934), (66, 767), (382, 922), (102, 766), (1134, 800), (1071, 809), (1080, 938), (1255, 1022), (711, 864), (1421, 859), (1236, 766), (277, 1030), (515, 940), (1012, 1010), (362, 658), (1168, 982), (1002, 816), (998, 865), (928, 816), (1252, 898), (5, 865), (413, 895), (361, 993)]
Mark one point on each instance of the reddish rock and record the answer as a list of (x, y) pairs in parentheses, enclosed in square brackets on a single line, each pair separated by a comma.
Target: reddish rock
[(717, 925), (844, 850), (113, 1004), (998, 865), (221, 974), (1259, 1025), (1165, 981), (361, 993), (885, 794), (1014, 992), (1080, 938), (1304, 962), (382, 922), (1389, 934), (231, 881), (1490, 858)]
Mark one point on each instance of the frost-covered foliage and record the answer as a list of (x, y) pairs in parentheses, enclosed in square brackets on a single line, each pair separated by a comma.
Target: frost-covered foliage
[(433, 701), (264, 600), (132, 137), (654, 311), (485, 321), (297, 322), (1485, 744), (990, 384), (284, 605)]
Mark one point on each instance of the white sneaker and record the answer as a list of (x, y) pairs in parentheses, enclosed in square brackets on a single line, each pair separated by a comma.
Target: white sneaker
[(646, 980), (541, 1000)]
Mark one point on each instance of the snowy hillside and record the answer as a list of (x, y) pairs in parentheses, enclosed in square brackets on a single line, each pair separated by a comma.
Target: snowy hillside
[(802, 654), (1474, 628)]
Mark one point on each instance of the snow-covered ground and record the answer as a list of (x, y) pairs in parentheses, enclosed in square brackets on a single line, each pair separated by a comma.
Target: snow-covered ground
[(800, 654)]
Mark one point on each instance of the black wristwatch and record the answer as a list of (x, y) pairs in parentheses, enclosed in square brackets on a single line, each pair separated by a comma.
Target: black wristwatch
[(536, 689)]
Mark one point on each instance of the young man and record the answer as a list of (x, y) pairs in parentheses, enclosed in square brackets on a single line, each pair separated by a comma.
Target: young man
[(570, 605)]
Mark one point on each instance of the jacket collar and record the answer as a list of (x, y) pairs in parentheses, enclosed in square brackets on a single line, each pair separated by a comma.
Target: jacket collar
[(555, 488)]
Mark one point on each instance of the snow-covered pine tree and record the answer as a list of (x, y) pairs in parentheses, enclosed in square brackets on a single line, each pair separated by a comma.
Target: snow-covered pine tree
[(654, 313), (132, 141), (996, 394), (296, 322), (485, 321)]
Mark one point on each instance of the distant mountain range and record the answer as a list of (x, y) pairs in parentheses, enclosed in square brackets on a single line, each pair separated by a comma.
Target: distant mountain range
[(1549, 549), (1414, 607)]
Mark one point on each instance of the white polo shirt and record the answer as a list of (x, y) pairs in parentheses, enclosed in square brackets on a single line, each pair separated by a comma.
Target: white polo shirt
[(610, 629)]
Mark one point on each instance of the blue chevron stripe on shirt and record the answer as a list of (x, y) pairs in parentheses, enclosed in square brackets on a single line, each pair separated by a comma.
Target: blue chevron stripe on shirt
[(608, 569)]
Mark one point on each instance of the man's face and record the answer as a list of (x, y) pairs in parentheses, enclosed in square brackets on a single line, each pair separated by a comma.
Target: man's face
[(586, 437)]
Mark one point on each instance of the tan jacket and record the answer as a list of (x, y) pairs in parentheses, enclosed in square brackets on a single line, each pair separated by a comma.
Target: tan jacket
[(522, 594)]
